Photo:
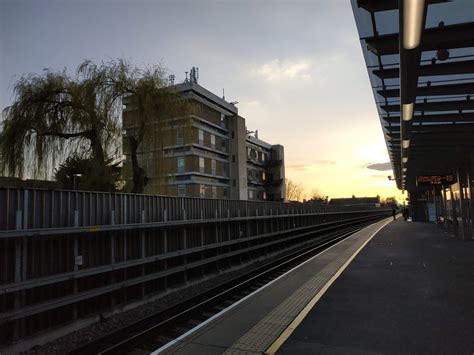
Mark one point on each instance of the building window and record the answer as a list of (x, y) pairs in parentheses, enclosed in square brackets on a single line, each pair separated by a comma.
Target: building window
[(179, 137), (201, 164), (250, 194), (214, 192), (201, 137), (213, 167), (181, 166), (181, 190), (233, 158), (264, 195), (263, 176), (202, 190), (224, 146), (225, 192), (213, 141), (233, 182), (225, 169), (233, 135), (222, 120)]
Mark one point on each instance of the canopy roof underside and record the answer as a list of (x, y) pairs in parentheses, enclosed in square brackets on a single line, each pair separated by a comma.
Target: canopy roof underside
[(437, 77)]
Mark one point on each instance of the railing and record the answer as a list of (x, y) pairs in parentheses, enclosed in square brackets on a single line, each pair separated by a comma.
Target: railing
[(65, 255), (31, 209)]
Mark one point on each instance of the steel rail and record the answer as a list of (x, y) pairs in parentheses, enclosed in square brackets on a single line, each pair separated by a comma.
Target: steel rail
[(113, 342)]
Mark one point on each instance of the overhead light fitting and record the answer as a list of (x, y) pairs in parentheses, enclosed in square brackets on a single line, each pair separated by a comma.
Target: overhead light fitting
[(404, 170), (407, 112), (442, 54), (405, 159), (406, 143), (412, 22)]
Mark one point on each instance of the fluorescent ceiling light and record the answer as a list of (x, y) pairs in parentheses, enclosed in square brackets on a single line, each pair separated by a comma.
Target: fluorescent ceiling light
[(405, 159), (412, 22), (406, 143), (404, 170), (407, 112)]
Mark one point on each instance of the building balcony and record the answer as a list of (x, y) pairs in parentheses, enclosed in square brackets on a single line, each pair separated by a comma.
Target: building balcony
[(255, 161), (255, 182), (274, 183), (273, 163)]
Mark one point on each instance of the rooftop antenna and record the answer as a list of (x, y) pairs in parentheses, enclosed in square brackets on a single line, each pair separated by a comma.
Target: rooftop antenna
[(193, 75), (223, 94), (186, 80)]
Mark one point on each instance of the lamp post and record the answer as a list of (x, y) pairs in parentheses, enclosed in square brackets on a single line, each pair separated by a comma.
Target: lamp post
[(74, 176)]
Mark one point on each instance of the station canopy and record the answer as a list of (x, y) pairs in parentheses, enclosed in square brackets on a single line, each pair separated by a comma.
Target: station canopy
[(420, 59)]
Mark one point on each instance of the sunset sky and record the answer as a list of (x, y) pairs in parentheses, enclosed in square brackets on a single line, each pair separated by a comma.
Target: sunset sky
[(295, 67)]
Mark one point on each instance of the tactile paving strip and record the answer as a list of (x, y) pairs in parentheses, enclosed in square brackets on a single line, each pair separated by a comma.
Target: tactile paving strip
[(264, 333)]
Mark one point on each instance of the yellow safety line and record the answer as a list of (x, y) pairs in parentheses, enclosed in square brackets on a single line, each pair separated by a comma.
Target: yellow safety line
[(299, 318)]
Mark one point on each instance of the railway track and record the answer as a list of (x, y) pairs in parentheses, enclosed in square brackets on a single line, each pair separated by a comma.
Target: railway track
[(163, 327)]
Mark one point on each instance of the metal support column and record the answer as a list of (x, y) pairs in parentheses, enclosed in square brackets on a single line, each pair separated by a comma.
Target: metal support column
[(454, 214), (443, 206), (165, 249), (461, 176), (470, 199)]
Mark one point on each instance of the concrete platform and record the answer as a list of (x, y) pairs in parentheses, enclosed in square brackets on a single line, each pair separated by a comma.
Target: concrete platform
[(394, 287), (410, 291), (253, 324)]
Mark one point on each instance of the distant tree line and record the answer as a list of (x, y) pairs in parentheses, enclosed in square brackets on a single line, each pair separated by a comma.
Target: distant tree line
[(295, 191)]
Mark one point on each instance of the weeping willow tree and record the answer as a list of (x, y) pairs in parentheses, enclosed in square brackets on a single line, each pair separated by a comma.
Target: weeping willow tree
[(154, 111), (55, 116)]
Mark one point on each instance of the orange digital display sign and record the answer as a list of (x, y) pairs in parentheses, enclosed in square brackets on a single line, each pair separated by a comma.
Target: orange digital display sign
[(426, 180)]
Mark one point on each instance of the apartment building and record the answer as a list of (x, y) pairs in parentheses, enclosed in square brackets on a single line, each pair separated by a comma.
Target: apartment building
[(207, 153), (265, 169)]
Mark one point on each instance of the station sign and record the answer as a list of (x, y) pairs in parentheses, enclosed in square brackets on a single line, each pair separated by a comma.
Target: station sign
[(429, 180)]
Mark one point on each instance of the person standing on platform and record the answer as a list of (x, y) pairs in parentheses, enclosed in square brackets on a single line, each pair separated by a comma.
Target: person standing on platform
[(405, 214), (394, 213)]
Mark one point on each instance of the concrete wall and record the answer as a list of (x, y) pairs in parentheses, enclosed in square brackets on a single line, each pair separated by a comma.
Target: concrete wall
[(238, 158), (278, 153)]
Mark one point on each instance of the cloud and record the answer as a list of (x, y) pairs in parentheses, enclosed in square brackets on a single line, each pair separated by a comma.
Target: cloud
[(379, 176), (251, 103), (278, 70), (308, 166), (380, 166)]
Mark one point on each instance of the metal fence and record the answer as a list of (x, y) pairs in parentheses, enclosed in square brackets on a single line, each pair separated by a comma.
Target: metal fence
[(67, 255), (31, 209)]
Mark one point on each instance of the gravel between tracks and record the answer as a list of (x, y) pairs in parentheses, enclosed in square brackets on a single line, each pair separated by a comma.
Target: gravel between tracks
[(76, 338)]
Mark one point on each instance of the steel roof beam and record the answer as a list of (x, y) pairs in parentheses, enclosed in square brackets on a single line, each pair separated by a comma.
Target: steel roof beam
[(443, 128), (385, 5), (454, 105), (448, 68), (453, 36), (447, 117), (418, 137), (434, 90)]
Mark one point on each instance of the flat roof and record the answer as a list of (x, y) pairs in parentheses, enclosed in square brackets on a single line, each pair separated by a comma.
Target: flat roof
[(204, 93)]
